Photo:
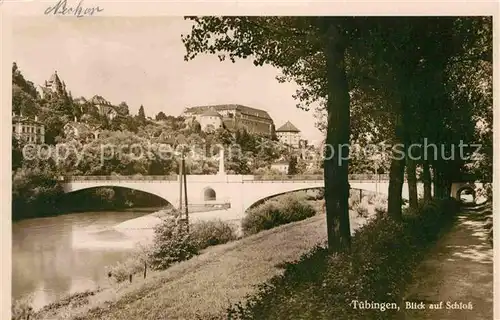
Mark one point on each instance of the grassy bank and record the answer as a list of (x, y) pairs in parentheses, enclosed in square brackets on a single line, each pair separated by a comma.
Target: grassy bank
[(324, 286), (202, 235), (204, 286)]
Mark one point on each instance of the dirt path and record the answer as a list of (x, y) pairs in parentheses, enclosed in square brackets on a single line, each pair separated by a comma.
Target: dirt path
[(459, 269)]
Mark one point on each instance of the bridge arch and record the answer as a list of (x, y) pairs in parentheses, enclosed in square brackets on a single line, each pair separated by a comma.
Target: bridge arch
[(256, 199), (73, 191), (470, 189), (209, 194), (272, 196)]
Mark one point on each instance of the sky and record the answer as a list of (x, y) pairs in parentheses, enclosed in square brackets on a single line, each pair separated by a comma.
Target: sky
[(140, 60)]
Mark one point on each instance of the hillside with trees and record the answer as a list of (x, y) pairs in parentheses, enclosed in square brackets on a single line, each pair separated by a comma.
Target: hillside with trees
[(35, 188)]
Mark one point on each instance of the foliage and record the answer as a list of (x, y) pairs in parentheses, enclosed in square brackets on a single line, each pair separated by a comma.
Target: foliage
[(361, 209), (171, 244), (122, 270), (21, 309), (380, 207), (161, 116), (322, 285), (275, 212), (141, 116), (211, 233), (34, 191)]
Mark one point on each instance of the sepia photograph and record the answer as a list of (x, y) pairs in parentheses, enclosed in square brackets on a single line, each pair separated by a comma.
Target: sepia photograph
[(251, 167)]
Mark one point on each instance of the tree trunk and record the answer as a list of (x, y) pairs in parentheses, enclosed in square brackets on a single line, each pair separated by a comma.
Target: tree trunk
[(337, 139), (412, 182), (439, 183), (426, 177), (396, 180)]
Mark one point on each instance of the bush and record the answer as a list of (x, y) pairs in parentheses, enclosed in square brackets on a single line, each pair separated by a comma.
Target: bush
[(372, 198), (122, 270), (323, 286), (380, 209), (211, 233), (276, 212), (171, 244), (361, 210), (353, 202), (21, 309)]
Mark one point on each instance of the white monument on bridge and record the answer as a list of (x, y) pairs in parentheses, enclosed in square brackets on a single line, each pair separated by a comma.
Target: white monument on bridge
[(221, 163)]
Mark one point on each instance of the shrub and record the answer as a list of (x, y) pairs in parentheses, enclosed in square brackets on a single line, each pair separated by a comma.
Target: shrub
[(171, 244), (372, 198), (276, 212), (323, 286), (211, 233), (122, 270), (353, 202), (361, 210), (21, 309), (380, 209)]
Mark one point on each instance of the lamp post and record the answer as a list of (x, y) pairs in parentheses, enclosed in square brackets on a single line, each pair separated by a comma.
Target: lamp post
[(183, 188)]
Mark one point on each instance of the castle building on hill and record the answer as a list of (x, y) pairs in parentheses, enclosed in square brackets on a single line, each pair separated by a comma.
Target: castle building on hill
[(289, 134), (53, 86), (233, 116), (210, 120), (28, 130)]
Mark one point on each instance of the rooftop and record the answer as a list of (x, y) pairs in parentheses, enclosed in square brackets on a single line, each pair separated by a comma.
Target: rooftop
[(211, 113), (54, 78), (80, 126), (288, 127), (280, 162), (221, 107), (16, 118), (98, 100)]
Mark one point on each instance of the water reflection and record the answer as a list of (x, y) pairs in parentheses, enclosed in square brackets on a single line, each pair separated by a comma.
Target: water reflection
[(52, 257)]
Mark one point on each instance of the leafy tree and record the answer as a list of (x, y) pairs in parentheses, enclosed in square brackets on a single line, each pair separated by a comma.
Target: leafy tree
[(141, 116), (17, 154), (123, 109), (310, 51), (161, 116)]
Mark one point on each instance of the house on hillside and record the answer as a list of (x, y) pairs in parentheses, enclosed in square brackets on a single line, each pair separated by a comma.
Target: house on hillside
[(104, 107), (28, 130), (80, 131), (281, 166)]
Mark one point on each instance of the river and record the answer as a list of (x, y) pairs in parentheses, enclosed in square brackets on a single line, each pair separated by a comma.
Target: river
[(56, 256)]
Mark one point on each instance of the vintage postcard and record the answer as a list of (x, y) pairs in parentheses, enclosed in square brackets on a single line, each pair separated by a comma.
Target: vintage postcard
[(242, 160)]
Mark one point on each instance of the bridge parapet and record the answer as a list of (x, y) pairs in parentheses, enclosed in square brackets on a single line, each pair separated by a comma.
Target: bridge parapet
[(119, 178), (317, 177), (223, 178)]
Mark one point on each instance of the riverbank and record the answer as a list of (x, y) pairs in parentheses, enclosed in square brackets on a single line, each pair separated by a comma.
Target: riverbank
[(205, 285)]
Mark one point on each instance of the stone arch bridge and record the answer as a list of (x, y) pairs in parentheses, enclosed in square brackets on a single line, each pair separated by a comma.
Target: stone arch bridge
[(240, 191)]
